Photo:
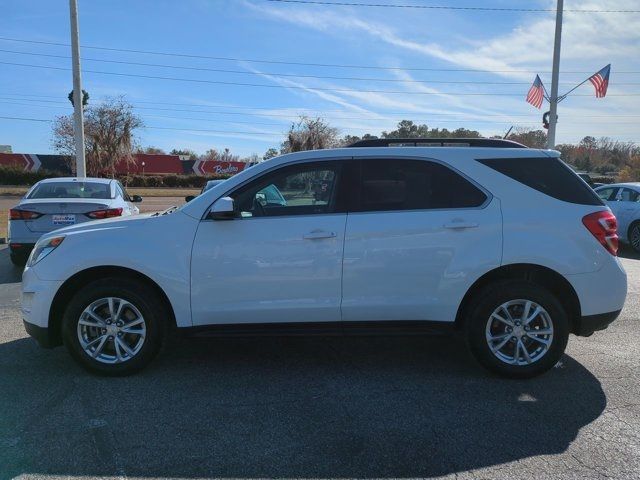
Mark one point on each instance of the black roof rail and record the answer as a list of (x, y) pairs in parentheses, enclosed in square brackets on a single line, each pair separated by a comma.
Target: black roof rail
[(438, 142)]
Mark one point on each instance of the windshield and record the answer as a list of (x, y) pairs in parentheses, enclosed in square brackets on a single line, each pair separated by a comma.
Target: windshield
[(71, 190)]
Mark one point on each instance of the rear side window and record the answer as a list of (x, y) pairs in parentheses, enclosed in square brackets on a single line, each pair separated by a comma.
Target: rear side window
[(395, 184), (548, 175)]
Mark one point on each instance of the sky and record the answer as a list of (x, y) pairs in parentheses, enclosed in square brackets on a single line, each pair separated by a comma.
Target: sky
[(236, 73)]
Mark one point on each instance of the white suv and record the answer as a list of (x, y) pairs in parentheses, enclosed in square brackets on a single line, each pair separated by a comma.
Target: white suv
[(503, 243)]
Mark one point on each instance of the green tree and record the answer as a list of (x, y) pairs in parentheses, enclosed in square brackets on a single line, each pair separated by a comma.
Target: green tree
[(272, 152)]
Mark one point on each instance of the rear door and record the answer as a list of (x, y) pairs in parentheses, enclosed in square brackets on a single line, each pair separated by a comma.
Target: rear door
[(420, 234)]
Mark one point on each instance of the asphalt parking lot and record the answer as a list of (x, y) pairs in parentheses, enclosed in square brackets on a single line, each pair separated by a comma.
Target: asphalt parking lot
[(320, 407)]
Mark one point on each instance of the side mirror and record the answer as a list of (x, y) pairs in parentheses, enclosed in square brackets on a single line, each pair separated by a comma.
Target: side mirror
[(136, 198), (188, 198), (223, 209)]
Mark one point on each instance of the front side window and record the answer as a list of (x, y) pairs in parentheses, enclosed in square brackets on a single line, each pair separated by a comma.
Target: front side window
[(304, 189), (395, 184)]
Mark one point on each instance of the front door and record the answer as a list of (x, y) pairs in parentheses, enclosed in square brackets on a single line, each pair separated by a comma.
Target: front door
[(281, 260)]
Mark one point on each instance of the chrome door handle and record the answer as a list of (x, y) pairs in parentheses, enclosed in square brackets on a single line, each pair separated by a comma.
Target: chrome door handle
[(316, 235), (460, 225)]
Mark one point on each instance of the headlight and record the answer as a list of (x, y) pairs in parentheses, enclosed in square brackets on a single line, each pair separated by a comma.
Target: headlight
[(42, 249)]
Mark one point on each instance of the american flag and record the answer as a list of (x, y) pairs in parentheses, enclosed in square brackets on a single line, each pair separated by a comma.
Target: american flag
[(600, 80), (536, 93)]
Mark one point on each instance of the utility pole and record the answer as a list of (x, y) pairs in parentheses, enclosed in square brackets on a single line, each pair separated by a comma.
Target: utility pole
[(78, 122), (555, 75)]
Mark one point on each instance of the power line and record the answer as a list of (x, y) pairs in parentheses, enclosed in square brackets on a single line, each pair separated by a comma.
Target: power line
[(279, 62), (26, 119), (197, 130), (291, 75), (446, 7), (508, 117), (462, 120), (294, 87)]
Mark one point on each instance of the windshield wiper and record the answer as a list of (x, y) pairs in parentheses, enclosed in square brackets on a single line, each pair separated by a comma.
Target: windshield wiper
[(166, 212)]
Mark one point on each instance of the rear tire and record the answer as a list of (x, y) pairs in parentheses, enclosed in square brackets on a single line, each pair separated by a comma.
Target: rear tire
[(634, 236), (115, 326), (517, 329)]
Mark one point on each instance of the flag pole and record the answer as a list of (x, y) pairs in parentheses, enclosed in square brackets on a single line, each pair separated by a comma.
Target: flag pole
[(553, 100), (562, 97)]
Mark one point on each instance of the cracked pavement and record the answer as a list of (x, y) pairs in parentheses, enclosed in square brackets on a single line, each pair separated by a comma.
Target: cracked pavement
[(320, 407)]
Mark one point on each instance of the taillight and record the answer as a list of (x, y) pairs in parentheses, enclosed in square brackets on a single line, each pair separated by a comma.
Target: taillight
[(16, 214), (604, 226), (108, 213)]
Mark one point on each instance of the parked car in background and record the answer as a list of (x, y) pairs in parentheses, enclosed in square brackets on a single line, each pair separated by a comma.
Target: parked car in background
[(207, 186), (587, 178), (498, 241), (624, 201), (59, 202)]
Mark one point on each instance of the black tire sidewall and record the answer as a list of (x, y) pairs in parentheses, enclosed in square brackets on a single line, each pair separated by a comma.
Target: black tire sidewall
[(491, 298), (143, 297)]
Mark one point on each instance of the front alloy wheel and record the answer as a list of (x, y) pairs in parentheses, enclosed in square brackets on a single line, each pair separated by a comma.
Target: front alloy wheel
[(111, 330), (115, 325)]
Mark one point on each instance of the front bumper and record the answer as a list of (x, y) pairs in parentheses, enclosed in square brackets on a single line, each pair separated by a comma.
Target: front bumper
[(592, 323)]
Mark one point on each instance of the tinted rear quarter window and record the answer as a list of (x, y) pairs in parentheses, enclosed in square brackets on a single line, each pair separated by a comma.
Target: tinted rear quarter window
[(548, 175)]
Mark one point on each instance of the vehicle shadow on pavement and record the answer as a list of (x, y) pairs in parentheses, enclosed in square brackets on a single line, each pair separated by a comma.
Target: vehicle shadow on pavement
[(9, 273), (285, 407), (627, 252)]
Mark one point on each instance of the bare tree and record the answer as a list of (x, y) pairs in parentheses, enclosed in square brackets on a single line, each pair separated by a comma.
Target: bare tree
[(310, 134), (109, 135)]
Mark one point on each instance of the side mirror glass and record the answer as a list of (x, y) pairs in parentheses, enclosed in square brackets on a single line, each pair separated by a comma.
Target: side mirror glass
[(223, 209), (188, 198), (136, 198)]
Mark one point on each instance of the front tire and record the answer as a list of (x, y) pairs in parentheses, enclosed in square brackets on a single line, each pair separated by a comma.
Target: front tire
[(114, 326), (517, 329)]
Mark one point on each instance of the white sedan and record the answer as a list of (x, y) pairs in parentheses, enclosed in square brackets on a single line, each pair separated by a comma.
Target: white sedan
[(624, 201), (59, 202)]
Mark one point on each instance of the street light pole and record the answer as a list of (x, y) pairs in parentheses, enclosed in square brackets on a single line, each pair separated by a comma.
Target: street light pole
[(78, 123), (555, 75)]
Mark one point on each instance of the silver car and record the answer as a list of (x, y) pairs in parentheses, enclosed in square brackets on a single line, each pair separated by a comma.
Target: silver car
[(624, 201), (58, 202)]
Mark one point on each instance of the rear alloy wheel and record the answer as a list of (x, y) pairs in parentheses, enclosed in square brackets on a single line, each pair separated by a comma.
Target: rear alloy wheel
[(634, 236), (115, 326), (517, 329), (519, 332)]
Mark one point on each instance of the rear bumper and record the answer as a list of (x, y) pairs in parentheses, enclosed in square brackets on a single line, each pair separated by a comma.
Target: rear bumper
[(41, 334), (593, 323)]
